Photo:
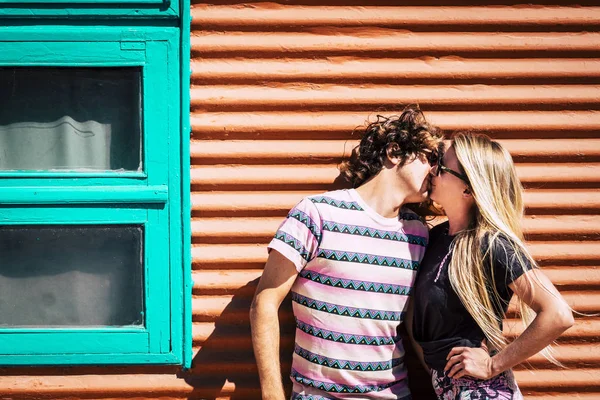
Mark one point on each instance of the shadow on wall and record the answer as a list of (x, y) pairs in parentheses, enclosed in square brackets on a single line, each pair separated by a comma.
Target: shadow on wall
[(225, 367)]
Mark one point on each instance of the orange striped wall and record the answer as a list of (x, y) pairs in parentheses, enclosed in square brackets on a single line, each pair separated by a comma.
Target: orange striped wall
[(277, 89)]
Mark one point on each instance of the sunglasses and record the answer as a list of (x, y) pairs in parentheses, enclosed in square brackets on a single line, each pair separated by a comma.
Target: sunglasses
[(435, 160)]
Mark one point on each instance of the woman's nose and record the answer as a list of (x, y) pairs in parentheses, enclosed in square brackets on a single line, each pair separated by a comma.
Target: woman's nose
[(433, 170)]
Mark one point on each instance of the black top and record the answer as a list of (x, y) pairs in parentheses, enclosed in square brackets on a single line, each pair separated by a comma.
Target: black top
[(440, 321)]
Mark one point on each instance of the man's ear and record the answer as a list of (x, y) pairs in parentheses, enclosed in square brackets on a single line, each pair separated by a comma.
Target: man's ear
[(391, 151)]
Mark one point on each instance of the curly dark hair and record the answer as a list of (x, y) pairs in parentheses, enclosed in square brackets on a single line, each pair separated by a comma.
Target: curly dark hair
[(409, 130)]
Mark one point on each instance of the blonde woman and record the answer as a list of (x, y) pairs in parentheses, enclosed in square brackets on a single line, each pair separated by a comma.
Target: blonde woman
[(474, 264)]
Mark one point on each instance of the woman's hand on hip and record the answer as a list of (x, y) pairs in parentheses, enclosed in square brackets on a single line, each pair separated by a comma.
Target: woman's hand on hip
[(469, 361)]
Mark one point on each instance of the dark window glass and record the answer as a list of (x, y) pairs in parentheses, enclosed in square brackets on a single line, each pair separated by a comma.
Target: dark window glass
[(71, 276), (84, 119)]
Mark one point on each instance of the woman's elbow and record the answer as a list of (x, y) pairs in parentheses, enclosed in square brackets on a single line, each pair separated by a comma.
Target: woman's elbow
[(564, 317), (568, 320)]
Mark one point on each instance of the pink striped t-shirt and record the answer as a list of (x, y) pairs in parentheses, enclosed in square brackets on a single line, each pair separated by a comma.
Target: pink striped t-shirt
[(355, 273)]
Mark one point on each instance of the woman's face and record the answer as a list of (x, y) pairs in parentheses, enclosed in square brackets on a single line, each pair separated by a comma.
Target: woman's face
[(447, 188)]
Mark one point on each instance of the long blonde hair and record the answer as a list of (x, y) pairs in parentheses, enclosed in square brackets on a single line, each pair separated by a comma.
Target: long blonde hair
[(495, 224)]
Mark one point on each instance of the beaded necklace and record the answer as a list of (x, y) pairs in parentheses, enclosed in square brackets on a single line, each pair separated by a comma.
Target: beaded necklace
[(442, 264)]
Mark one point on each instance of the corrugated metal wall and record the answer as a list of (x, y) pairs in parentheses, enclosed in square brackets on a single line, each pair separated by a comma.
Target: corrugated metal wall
[(277, 89)]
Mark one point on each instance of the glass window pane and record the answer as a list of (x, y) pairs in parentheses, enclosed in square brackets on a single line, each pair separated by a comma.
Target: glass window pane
[(70, 118), (71, 276)]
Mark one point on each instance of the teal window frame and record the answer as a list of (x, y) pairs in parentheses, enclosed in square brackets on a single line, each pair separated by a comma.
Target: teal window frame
[(136, 9), (153, 197)]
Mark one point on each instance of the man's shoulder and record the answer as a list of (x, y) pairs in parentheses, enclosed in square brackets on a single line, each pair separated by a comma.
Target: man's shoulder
[(413, 221), (342, 194), (341, 199), (406, 214)]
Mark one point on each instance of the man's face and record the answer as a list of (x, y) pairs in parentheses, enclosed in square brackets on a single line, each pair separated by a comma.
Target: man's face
[(415, 177)]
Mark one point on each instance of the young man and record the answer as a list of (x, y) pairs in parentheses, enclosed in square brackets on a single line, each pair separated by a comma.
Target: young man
[(350, 259)]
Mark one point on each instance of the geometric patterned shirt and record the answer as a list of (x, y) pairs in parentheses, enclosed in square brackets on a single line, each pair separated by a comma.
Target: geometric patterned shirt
[(355, 273)]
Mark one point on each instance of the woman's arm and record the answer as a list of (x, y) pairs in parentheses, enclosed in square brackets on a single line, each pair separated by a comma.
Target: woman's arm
[(554, 316)]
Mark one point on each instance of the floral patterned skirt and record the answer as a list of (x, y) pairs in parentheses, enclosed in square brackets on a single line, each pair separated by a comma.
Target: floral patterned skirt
[(501, 387)]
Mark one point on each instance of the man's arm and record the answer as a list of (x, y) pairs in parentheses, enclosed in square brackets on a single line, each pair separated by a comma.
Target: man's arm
[(276, 281), (408, 320)]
